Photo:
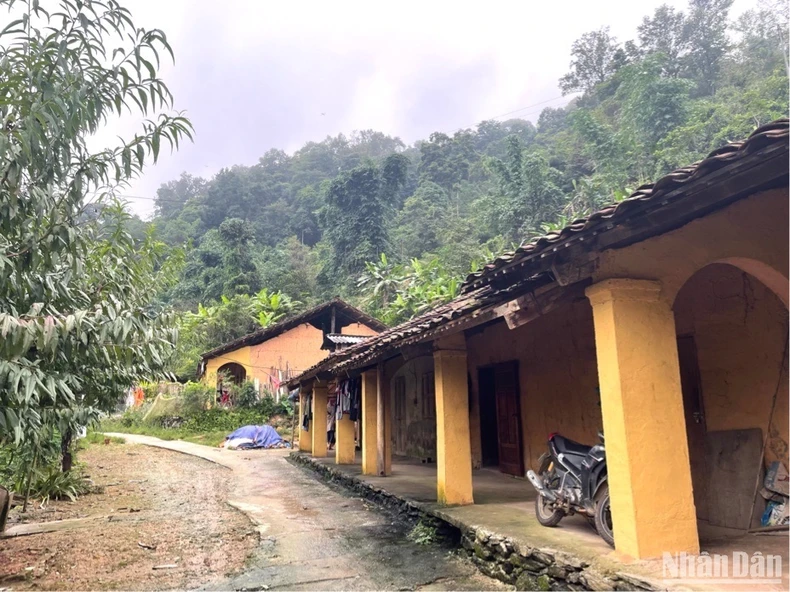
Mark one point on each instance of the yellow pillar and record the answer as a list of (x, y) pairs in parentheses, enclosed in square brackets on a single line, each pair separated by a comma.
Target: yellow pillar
[(644, 426), (383, 425), (369, 423), (453, 442), (345, 452), (318, 427), (305, 437)]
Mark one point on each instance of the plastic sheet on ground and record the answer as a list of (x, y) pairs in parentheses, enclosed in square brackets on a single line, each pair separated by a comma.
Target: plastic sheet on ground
[(254, 436)]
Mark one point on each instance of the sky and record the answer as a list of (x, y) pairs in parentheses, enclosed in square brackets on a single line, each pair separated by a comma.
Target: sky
[(258, 74)]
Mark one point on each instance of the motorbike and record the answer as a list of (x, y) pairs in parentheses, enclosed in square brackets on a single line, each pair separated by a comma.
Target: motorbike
[(572, 479)]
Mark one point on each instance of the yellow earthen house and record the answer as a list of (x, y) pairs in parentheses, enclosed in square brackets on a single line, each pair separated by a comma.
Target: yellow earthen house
[(661, 321)]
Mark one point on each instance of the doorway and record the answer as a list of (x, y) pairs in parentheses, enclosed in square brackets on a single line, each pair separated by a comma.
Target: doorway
[(732, 352), (695, 422), (500, 418)]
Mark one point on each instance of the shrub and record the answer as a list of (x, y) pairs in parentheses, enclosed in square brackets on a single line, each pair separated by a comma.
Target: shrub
[(150, 389), (195, 397), (269, 407), (133, 416), (51, 483), (245, 395)]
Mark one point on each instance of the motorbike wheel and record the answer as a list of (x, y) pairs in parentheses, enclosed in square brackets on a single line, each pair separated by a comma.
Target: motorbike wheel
[(545, 514), (603, 515), (591, 521)]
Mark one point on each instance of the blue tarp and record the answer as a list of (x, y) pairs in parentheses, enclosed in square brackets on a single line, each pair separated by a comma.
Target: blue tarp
[(263, 436)]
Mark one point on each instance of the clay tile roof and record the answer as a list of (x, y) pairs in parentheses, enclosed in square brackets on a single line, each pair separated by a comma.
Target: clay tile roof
[(365, 352), (773, 133), (353, 314)]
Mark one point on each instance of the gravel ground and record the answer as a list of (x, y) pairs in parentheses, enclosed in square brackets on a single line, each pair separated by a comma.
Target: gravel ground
[(166, 500)]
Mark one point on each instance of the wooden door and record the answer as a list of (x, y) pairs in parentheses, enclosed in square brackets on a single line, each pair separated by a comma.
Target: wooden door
[(489, 433), (508, 410), (695, 422)]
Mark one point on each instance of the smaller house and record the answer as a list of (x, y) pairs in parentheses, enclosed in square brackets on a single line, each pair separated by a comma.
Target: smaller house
[(274, 354)]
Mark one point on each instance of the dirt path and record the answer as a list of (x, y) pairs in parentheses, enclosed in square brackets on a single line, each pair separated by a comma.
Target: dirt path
[(316, 538), (172, 503)]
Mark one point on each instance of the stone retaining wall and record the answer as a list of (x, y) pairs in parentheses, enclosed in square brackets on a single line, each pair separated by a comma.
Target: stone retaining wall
[(499, 557)]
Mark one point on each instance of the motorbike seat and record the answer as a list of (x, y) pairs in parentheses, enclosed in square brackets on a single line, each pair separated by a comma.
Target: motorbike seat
[(566, 446)]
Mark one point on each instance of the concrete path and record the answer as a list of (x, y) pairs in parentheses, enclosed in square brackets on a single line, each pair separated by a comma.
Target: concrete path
[(314, 537)]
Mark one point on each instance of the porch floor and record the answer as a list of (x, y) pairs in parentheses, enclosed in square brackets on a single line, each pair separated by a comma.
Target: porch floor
[(504, 505)]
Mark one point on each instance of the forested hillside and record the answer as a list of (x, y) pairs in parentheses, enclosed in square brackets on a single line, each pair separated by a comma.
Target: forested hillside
[(394, 228)]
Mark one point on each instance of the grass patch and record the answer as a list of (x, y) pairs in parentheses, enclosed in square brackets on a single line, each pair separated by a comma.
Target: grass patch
[(94, 437), (207, 438), (202, 426), (423, 533)]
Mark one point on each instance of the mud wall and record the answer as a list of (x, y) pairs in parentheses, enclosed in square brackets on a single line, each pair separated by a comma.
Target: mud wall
[(740, 330), (357, 329), (558, 377), (413, 424)]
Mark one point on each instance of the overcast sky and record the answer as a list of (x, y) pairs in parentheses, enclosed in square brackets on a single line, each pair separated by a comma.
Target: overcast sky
[(258, 74)]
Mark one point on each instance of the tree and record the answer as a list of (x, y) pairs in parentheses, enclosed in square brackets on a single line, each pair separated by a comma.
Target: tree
[(642, 112), (419, 225), (763, 46), (706, 35), (173, 195), (653, 104), (77, 315), (665, 33), (528, 191), (291, 268), (357, 209), (592, 61), (445, 160), (242, 275)]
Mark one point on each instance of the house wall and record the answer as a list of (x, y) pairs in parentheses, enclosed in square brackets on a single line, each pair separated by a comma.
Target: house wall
[(751, 233), (296, 350), (357, 329), (739, 319), (740, 330), (558, 377), (414, 433), (239, 356)]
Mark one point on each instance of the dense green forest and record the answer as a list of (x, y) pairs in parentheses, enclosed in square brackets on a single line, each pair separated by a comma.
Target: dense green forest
[(394, 228)]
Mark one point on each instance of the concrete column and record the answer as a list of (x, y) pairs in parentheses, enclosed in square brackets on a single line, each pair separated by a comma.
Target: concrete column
[(369, 422), (305, 437), (644, 425), (345, 452), (383, 425), (318, 427), (453, 442)]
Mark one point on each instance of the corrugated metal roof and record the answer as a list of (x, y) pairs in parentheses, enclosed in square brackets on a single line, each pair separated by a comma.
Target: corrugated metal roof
[(339, 338)]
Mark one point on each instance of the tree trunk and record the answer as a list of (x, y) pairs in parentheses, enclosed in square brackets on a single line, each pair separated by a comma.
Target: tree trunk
[(30, 480), (65, 450)]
